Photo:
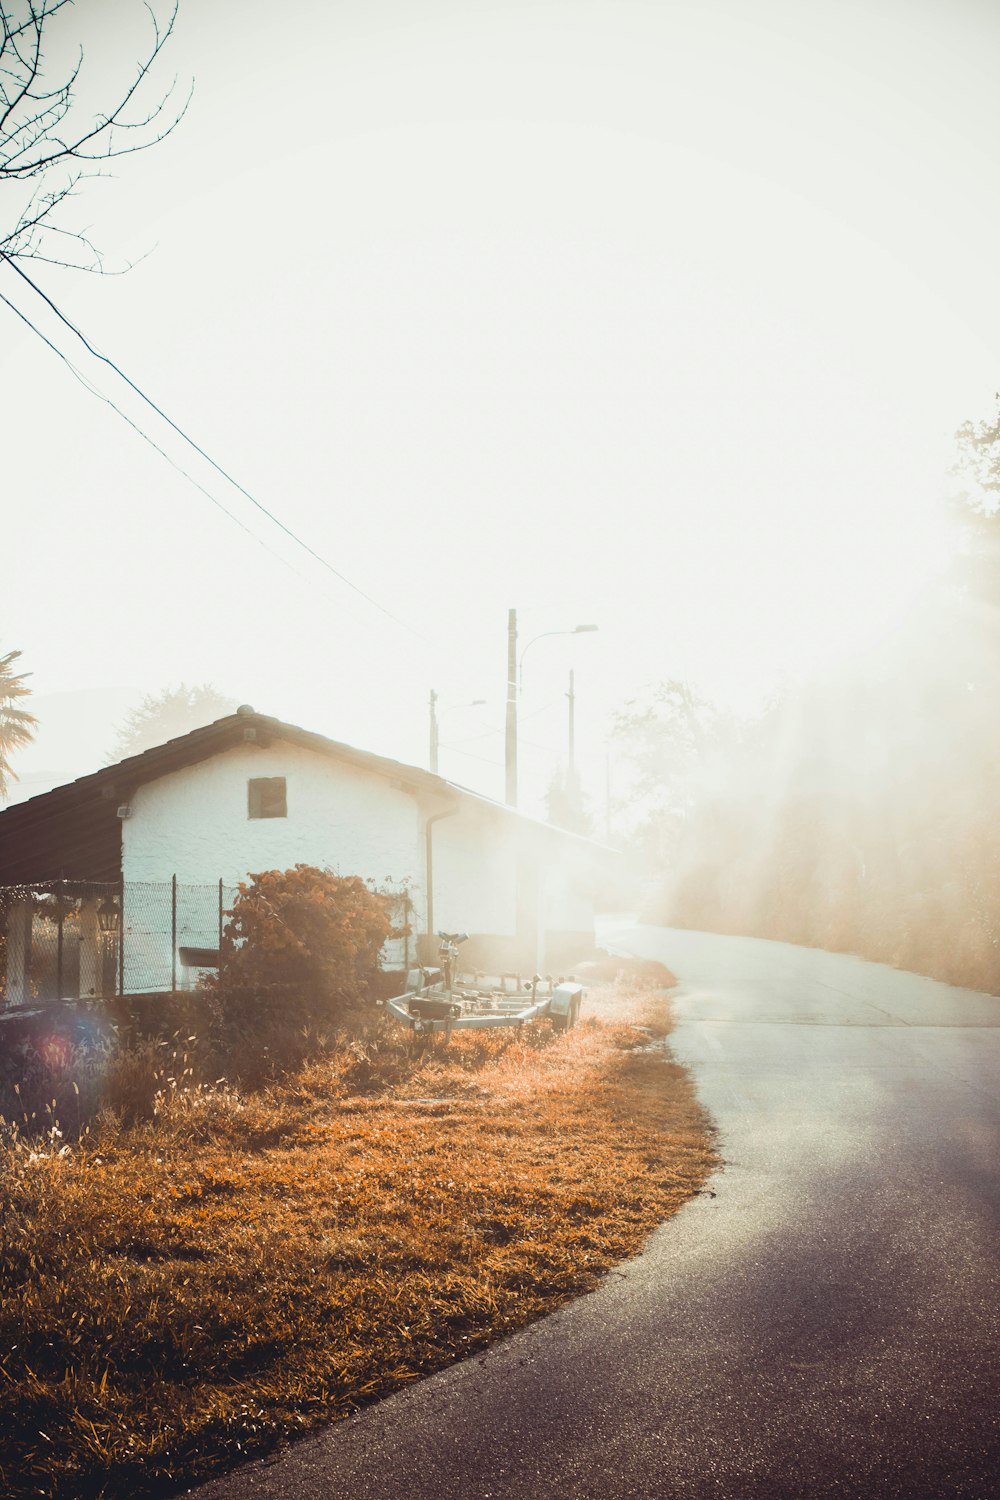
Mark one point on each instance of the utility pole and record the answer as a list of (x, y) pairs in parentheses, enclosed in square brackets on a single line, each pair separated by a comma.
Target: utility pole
[(607, 796), (510, 740), (572, 787), (571, 756), (434, 732)]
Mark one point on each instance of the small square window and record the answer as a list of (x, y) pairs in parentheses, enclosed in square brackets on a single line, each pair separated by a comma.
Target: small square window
[(266, 797)]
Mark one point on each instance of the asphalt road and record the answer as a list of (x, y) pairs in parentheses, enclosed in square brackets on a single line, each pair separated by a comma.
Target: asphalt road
[(827, 1324)]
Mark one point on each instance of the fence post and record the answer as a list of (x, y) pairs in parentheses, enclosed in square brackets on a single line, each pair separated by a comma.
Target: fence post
[(173, 933), (219, 970), (121, 938), (19, 923), (59, 940)]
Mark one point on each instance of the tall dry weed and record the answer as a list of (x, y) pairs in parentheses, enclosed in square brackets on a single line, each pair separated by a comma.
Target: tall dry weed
[(232, 1265)]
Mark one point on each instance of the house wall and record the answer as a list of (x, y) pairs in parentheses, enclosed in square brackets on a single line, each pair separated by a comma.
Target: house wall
[(522, 891), (475, 873), (195, 824), (566, 904)]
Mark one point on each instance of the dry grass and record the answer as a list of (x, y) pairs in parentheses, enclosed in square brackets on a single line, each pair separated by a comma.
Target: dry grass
[(179, 1294)]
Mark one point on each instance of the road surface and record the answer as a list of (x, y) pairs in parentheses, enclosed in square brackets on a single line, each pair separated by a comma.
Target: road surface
[(827, 1324)]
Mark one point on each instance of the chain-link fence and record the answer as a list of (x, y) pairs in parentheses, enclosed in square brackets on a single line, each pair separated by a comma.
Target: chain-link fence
[(58, 940), (171, 933), (68, 940)]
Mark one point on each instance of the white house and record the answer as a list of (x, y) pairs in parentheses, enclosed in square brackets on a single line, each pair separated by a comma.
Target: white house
[(251, 793)]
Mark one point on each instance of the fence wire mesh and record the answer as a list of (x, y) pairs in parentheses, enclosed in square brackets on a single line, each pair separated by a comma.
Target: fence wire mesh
[(59, 940), (172, 932), (69, 940)]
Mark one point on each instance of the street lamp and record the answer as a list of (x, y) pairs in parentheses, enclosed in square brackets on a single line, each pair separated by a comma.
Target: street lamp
[(434, 745), (576, 630), (515, 673)]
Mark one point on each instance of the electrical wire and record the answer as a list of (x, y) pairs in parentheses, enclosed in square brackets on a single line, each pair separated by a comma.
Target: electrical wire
[(485, 734), (470, 755), (229, 478), (106, 359), (101, 396)]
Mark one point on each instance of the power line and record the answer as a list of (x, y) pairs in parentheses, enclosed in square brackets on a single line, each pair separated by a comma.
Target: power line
[(470, 755), (105, 359), (92, 389), (485, 734)]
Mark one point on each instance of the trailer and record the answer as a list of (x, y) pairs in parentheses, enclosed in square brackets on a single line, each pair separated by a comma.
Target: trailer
[(437, 1000)]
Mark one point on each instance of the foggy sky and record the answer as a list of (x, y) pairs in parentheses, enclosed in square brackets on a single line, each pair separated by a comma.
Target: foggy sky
[(657, 315)]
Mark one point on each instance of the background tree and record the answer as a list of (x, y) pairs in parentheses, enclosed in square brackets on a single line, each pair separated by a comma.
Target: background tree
[(976, 507), (53, 135), (17, 726), (164, 716), (666, 746), (862, 812)]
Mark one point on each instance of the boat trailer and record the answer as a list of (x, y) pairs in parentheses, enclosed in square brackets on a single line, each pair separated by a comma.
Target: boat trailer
[(436, 1000)]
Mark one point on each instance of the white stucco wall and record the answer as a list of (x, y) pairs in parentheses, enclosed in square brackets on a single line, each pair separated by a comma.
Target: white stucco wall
[(568, 903), (194, 823), (475, 873), (476, 858)]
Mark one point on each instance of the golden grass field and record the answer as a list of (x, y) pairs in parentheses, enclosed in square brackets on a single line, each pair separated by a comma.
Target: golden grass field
[(179, 1294)]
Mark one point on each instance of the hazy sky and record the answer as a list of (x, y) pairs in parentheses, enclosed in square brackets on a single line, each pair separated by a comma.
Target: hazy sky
[(656, 315)]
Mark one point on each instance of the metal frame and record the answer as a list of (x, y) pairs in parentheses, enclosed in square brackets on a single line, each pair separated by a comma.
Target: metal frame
[(562, 1003)]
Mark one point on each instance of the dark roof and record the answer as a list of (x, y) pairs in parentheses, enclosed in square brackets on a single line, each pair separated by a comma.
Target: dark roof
[(74, 832)]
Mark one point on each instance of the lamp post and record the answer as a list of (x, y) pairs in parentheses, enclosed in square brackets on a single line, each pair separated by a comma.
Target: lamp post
[(571, 744), (510, 726), (515, 682), (434, 717), (575, 630)]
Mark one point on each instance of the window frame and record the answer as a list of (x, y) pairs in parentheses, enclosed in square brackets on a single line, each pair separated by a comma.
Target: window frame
[(258, 783)]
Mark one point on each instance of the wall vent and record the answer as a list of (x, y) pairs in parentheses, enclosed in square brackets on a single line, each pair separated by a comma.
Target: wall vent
[(124, 810)]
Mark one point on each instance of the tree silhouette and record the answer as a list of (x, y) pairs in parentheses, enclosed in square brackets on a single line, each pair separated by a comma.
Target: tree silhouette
[(17, 726), (165, 716), (976, 506), (53, 138)]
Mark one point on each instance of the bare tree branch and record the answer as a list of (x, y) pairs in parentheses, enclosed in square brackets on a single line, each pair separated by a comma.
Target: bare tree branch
[(48, 138)]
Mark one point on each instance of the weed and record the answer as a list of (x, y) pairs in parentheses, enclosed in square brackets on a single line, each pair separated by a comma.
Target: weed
[(209, 1271)]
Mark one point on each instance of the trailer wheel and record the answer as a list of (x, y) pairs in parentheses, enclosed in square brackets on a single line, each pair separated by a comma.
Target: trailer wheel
[(419, 1041), (572, 1015)]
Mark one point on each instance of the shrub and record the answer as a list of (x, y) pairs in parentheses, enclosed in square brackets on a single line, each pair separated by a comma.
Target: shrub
[(306, 927), (300, 954)]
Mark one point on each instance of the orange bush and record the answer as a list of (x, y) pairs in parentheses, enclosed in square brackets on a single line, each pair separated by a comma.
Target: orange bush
[(305, 929)]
